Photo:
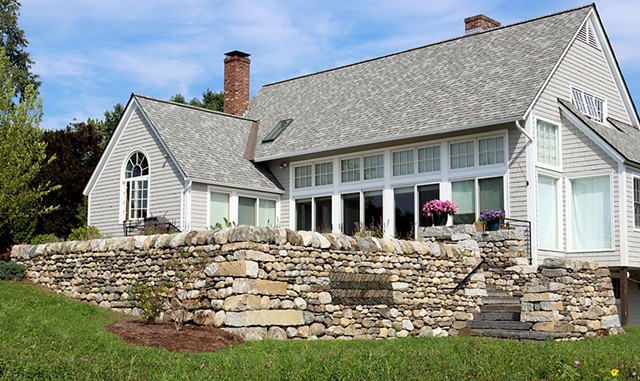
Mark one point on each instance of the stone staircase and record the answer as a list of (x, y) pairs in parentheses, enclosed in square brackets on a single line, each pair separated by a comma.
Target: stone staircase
[(500, 317)]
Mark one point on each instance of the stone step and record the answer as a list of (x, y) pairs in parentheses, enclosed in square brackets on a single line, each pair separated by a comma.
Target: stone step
[(513, 334), (499, 308), (497, 316), (501, 300), (504, 325)]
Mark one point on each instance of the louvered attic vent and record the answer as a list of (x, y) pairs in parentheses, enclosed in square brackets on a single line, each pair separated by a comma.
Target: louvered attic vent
[(588, 104), (277, 130), (587, 35)]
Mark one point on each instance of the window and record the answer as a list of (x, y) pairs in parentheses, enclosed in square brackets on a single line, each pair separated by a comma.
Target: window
[(350, 170), (373, 209), (491, 194), (404, 212), (323, 214), (591, 224), (324, 174), (548, 147), (266, 213), (427, 193), (403, 163), (350, 212), (464, 195), (218, 209), (303, 214), (461, 155), (136, 187), (429, 159), (636, 202), (302, 176), (246, 211), (548, 212), (588, 104), (373, 167), (491, 151)]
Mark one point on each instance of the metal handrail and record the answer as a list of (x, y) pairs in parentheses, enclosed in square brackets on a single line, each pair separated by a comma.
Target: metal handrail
[(160, 225), (464, 281)]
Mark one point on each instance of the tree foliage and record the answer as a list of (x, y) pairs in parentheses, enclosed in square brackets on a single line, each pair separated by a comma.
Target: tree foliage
[(77, 150), (109, 124), (22, 156), (14, 43), (210, 100)]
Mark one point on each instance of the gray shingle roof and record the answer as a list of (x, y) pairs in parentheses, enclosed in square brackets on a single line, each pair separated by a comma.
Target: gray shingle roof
[(208, 146), (622, 137), (459, 83)]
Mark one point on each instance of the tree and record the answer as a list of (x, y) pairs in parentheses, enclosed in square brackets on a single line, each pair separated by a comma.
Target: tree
[(77, 150), (210, 100), (22, 157), (108, 126), (13, 41)]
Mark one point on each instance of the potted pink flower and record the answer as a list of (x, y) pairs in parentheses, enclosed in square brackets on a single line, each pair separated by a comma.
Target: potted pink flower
[(439, 211)]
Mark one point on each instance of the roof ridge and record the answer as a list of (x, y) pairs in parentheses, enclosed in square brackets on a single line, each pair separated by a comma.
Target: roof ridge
[(433, 44), (191, 107)]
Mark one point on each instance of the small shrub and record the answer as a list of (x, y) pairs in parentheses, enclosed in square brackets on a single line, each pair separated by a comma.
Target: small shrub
[(45, 238), (84, 233), (12, 271), (150, 299)]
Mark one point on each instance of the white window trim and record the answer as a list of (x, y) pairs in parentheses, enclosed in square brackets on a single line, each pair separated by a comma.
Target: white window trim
[(123, 187), (234, 194), (569, 207), (594, 94), (560, 222), (539, 164)]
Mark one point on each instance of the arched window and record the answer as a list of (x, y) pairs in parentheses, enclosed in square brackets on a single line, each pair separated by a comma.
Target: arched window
[(136, 179)]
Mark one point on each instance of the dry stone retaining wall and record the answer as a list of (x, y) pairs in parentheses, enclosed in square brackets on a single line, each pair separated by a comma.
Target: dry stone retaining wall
[(277, 283)]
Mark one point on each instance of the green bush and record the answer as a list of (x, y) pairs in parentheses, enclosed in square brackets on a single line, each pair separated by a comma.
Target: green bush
[(11, 271), (45, 238), (150, 299), (84, 233)]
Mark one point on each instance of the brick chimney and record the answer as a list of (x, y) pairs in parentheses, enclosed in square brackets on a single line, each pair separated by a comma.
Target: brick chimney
[(479, 23), (236, 82)]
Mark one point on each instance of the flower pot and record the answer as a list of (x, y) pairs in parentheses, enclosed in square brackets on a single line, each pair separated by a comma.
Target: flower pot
[(440, 219), (479, 227), (492, 225)]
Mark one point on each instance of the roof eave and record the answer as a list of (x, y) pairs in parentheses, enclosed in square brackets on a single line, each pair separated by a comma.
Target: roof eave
[(234, 185)]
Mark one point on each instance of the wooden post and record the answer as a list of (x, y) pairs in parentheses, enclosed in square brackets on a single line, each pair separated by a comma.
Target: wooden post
[(624, 296)]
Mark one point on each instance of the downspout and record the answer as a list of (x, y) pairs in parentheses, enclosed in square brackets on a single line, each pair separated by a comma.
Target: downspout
[(524, 131), (185, 206)]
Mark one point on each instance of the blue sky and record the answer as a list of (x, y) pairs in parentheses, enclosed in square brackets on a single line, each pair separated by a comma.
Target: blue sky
[(92, 54)]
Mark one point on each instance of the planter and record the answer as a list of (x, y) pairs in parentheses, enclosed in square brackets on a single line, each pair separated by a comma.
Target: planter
[(479, 227), (440, 219), (492, 225)]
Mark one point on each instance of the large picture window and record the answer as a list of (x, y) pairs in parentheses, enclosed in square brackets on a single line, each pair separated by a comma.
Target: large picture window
[(548, 212), (350, 212), (323, 214), (464, 195), (136, 187), (404, 212), (591, 216)]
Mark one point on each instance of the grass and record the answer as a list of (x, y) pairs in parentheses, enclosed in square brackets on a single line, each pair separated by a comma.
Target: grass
[(48, 337)]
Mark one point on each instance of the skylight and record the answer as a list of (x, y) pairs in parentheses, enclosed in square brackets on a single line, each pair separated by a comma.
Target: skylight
[(277, 130)]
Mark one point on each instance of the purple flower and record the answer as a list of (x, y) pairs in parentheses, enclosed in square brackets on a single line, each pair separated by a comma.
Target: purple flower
[(489, 215)]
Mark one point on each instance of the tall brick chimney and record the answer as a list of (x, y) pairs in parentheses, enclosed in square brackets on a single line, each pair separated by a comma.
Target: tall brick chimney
[(479, 23), (236, 82)]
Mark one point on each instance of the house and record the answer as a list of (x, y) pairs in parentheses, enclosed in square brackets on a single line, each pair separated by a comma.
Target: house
[(533, 117)]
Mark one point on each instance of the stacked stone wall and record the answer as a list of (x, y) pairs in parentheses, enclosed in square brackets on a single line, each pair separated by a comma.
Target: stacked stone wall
[(277, 283)]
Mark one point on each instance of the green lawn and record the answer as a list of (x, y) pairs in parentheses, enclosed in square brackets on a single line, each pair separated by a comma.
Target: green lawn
[(48, 337)]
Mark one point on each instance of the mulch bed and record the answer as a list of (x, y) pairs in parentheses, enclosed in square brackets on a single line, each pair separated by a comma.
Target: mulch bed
[(190, 338)]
